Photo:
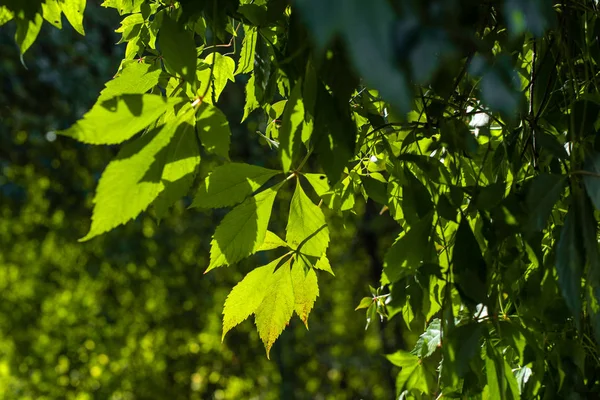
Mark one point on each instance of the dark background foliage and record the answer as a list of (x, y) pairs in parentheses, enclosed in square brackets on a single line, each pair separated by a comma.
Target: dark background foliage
[(130, 315)]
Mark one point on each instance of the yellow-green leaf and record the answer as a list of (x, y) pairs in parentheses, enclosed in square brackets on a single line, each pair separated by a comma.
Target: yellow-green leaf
[(246, 296), (73, 10), (290, 133), (307, 231), (213, 130), (221, 73), (230, 184), (27, 31), (132, 181), (52, 13), (119, 118), (306, 290), (246, 62), (272, 241), (5, 15), (243, 229), (277, 307), (324, 265)]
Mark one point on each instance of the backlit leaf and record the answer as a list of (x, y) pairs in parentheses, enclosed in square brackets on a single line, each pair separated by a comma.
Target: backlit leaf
[(52, 13), (318, 182), (243, 229), (277, 307), (307, 230), (181, 159), (246, 62), (221, 74), (246, 296), (135, 78), (119, 118), (324, 265), (306, 290), (230, 184), (73, 10), (430, 340), (413, 375), (27, 31), (213, 130), (251, 100), (291, 127), (133, 179), (272, 241)]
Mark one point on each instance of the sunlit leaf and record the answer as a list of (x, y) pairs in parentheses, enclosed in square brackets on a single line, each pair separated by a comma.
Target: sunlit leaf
[(306, 290), (213, 130), (246, 296), (277, 307), (230, 184), (73, 10), (243, 229), (246, 62), (132, 180), (307, 231), (272, 241), (119, 118)]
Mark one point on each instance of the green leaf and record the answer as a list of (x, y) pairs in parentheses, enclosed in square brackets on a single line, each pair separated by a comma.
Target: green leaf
[(245, 298), (246, 62), (222, 72), (416, 198), (73, 10), (251, 100), (230, 184), (52, 13), (408, 252), (178, 49), (341, 196), (134, 78), (364, 303), (27, 31), (430, 340), (291, 127), (413, 375), (592, 182), (570, 260), (213, 130), (306, 290), (307, 231), (324, 265), (181, 159), (470, 269), (117, 119), (277, 307), (544, 192), (272, 241), (5, 15), (243, 230), (132, 181), (493, 379), (318, 182)]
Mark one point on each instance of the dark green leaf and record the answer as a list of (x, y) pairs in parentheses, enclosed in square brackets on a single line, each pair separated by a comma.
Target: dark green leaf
[(570, 260)]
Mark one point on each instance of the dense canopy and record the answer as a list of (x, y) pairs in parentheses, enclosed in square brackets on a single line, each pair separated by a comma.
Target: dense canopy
[(454, 140)]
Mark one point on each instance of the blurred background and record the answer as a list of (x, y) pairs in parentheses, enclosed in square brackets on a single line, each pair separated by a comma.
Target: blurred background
[(130, 315)]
